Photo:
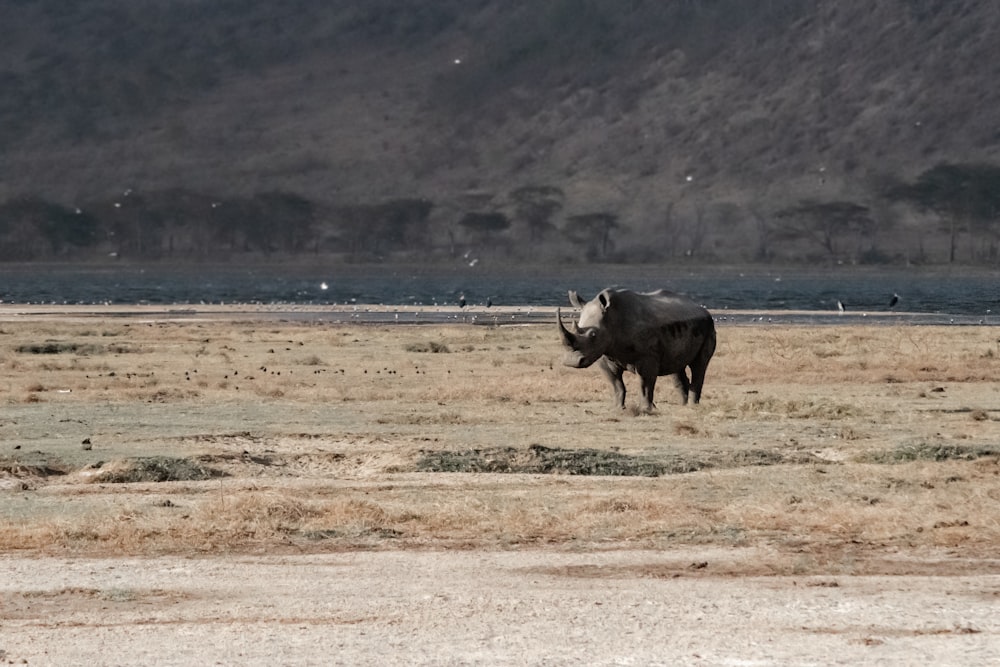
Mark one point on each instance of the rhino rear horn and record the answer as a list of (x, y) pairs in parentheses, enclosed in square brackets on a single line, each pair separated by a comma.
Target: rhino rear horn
[(575, 299)]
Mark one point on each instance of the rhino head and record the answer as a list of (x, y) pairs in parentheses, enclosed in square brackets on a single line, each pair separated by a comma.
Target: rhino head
[(590, 338)]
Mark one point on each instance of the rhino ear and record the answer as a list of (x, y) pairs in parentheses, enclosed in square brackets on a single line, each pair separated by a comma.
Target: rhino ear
[(605, 299), (575, 299)]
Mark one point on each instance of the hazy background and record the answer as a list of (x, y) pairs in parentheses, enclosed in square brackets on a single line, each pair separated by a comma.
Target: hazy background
[(778, 131)]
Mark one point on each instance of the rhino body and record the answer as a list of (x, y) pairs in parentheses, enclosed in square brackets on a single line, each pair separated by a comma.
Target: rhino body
[(654, 334)]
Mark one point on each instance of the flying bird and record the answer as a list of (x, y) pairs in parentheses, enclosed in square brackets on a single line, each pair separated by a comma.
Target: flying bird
[(894, 300)]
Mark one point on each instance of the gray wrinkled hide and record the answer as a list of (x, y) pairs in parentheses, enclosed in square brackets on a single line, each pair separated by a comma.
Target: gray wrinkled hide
[(660, 333)]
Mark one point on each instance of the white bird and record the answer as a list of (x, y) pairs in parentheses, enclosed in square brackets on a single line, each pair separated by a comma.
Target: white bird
[(323, 285)]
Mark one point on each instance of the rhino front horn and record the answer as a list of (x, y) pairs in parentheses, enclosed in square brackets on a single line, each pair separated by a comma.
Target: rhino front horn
[(567, 336)]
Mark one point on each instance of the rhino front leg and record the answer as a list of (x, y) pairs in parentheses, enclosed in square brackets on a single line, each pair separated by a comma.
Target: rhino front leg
[(615, 374)]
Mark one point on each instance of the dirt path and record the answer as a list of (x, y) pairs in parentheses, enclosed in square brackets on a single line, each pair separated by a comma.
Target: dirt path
[(475, 607)]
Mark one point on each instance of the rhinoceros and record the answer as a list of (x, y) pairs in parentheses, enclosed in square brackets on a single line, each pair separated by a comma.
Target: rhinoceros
[(659, 333)]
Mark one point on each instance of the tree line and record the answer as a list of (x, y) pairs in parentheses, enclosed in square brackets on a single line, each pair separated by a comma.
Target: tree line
[(183, 224), (949, 213)]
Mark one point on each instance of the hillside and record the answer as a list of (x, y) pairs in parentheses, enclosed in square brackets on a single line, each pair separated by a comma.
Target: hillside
[(689, 125)]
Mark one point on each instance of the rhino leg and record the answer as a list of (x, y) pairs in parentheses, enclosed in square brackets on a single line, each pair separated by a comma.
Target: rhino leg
[(700, 365), (683, 386), (648, 387), (647, 372), (697, 380), (614, 373)]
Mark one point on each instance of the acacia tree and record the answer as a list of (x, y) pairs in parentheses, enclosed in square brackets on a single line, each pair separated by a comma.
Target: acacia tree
[(31, 227), (404, 222), (965, 196), (281, 220), (826, 223), (484, 227), (134, 226), (592, 231), (535, 205), (66, 228), (397, 224)]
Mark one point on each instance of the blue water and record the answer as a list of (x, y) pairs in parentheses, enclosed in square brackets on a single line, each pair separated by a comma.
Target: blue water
[(963, 293)]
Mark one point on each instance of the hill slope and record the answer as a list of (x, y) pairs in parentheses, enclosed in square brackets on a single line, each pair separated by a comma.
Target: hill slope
[(650, 111)]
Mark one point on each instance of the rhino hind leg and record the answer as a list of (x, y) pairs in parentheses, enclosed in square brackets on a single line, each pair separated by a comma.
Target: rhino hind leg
[(683, 386), (697, 380), (699, 366), (698, 369)]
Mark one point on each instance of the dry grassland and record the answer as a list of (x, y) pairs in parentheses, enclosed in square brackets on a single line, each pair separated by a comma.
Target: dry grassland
[(830, 445)]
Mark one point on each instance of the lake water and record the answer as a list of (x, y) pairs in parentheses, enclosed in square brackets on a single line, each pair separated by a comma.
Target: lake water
[(927, 296)]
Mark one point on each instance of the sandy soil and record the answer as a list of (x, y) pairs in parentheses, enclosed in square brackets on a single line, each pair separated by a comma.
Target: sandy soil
[(473, 607), (801, 540)]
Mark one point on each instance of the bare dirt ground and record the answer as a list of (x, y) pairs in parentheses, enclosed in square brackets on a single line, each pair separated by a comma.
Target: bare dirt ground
[(250, 490), (547, 606)]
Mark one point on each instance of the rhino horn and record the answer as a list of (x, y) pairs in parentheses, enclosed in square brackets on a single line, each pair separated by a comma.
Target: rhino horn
[(568, 337)]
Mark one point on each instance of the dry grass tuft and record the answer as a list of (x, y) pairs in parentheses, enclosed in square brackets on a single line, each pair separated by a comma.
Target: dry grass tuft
[(686, 428), (429, 346)]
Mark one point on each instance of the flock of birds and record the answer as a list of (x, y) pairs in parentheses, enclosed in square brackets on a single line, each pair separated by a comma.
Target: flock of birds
[(893, 300)]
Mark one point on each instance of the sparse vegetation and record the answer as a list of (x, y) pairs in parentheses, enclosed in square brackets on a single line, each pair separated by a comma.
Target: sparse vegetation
[(154, 469), (429, 346), (383, 449), (56, 347), (932, 452)]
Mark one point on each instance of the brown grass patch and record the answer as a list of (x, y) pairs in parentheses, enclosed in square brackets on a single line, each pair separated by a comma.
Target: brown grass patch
[(340, 436)]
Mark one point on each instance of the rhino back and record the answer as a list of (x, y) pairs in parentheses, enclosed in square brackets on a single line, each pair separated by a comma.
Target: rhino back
[(664, 325), (681, 342)]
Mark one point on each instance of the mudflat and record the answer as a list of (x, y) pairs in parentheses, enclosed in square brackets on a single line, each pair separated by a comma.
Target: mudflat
[(260, 489)]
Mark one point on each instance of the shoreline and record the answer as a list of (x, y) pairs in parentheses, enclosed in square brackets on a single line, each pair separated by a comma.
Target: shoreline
[(437, 314)]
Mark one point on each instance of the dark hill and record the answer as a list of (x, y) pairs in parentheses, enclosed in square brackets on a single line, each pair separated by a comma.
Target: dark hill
[(688, 124)]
